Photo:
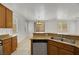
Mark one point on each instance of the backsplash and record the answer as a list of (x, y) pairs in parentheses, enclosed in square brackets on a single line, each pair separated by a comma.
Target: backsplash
[(6, 31)]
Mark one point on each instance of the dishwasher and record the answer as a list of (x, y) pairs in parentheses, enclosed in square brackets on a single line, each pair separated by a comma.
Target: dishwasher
[(1, 48), (39, 47)]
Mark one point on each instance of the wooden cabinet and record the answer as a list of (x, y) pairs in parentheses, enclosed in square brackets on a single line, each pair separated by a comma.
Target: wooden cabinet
[(9, 18), (14, 43), (2, 16), (68, 47), (57, 48), (76, 51), (7, 46), (6, 17), (52, 49), (64, 52)]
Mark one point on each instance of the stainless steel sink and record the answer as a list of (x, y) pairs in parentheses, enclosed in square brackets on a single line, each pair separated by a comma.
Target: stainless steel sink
[(72, 41)]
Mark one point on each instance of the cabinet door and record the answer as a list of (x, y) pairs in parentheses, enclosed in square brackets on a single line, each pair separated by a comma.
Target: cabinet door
[(64, 52), (14, 43), (7, 46), (2, 16), (76, 52), (52, 49), (9, 18)]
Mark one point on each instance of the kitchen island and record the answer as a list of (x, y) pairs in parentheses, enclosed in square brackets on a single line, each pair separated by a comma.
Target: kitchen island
[(56, 47)]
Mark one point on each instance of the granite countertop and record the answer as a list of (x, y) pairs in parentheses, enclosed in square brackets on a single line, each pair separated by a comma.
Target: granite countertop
[(13, 35), (40, 38), (76, 44), (73, 34), (3, 37), (62, 42)]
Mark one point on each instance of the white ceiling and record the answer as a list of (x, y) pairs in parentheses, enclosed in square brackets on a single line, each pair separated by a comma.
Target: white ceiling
[(46, 11)]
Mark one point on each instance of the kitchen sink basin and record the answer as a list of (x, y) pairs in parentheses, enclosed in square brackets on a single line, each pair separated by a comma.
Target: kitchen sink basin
[(69, 40), (72, 41)]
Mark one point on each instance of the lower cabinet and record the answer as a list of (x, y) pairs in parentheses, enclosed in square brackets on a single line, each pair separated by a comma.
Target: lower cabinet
[(76, 51), (14, 43), (64, 52), (52, 50), (56, 48), (7, 46)]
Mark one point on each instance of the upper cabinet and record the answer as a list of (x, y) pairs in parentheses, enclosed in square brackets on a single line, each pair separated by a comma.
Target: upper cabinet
[(9, 18), (2, 16), (6, 17)]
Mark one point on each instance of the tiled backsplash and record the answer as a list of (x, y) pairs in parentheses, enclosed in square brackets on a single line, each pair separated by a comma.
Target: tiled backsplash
[(6, 31)]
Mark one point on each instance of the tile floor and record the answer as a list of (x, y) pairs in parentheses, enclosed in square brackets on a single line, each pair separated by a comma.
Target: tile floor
[(23, 48)]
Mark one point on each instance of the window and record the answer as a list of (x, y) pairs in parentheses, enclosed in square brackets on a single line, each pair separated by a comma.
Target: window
[(62, 26), (39, 26)]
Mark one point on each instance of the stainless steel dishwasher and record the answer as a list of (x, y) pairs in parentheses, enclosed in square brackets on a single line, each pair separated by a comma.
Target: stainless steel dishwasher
[(1, 48), (39, 47)]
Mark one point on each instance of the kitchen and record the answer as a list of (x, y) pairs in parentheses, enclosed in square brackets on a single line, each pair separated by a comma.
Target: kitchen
[(51, 28)]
